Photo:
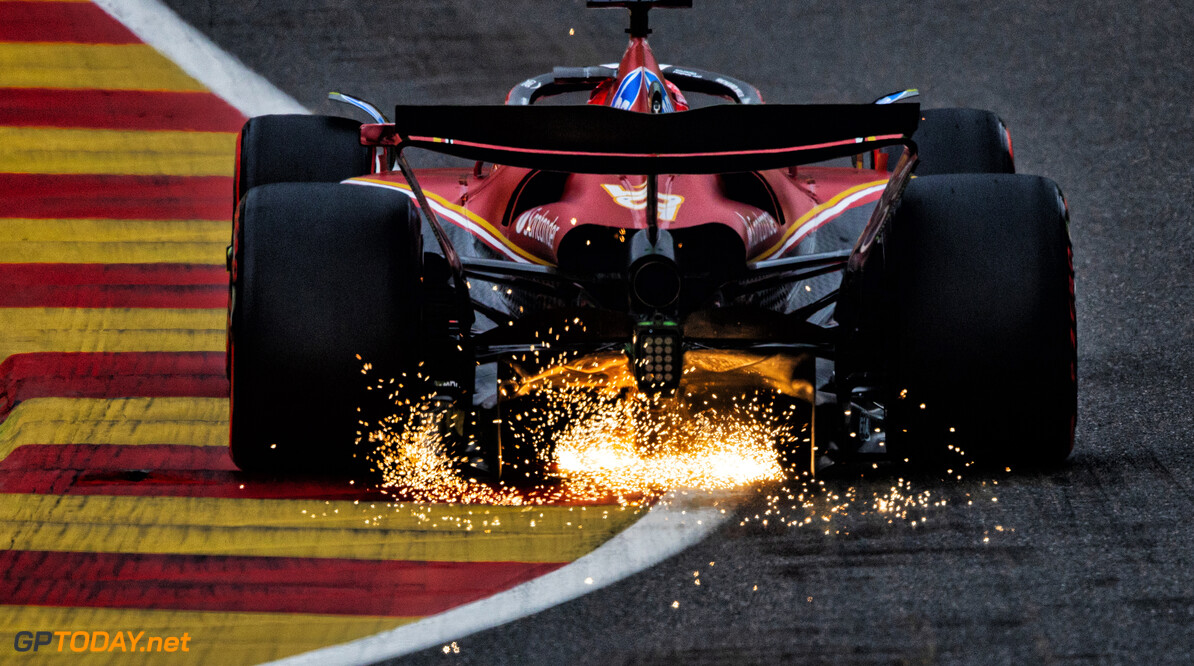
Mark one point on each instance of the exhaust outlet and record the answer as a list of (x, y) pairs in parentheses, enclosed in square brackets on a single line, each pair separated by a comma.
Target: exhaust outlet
[(654, 275)]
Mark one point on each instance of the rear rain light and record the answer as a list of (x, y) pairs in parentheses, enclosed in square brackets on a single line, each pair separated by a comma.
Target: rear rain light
[(658, 356)]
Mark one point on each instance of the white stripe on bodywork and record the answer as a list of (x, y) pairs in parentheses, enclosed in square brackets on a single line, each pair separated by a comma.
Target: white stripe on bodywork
[(815, 222), (452, 216)]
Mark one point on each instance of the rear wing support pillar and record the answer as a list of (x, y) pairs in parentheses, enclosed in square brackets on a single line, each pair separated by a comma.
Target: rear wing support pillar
[(464, 300)]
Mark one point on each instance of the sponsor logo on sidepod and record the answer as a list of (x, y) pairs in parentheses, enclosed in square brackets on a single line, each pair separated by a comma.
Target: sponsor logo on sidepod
[(538, 227), (758, 227)]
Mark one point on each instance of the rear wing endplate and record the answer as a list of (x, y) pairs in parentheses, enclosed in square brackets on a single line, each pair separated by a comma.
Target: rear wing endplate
[(599, 139)]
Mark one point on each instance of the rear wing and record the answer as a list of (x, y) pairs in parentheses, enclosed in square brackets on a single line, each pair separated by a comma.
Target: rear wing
[(599, 139)]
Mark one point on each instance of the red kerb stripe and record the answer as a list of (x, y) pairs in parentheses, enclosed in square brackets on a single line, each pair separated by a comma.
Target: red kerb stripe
[(113, 285), (110, 375), (78, 22), (122, 197), (103, 457), (136, 481), (29, 275), (119, 109), (254, 584)]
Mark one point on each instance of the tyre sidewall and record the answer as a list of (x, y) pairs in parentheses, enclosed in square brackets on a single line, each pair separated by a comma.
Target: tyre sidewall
[(980, 335)]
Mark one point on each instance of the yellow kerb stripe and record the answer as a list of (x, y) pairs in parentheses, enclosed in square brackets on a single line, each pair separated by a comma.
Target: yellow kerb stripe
[(94, 66), (119, 421), (215, 637), (25, 330), (115, 231), (25, 241), (280, 528), (119, 152)]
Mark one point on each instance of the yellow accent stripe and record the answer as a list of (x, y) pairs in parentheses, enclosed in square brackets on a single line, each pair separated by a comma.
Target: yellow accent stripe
[(215, 637), (279, 528), (25, 241), (110, 329), (813, 212), (95, 66), (121, 421), (120, 152), (473, 217)]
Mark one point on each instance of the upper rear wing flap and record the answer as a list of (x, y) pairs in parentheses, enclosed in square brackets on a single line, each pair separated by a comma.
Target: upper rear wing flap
[(598, 139)]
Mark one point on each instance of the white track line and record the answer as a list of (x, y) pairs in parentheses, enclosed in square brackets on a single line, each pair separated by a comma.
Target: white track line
[(678, 521), (158, 26)]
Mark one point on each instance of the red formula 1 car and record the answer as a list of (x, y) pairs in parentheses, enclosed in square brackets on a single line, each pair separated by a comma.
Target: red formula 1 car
[(878, 266)]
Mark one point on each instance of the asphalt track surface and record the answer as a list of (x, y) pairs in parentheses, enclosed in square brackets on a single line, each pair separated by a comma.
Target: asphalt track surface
[(1092, 563)]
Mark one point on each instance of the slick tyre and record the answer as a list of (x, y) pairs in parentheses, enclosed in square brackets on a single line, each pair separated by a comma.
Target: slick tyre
[(980, 334), (960, 141), (298, 149), (322, 273)]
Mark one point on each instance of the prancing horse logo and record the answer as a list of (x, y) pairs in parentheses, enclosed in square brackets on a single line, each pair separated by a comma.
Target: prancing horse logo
[(635, 198)]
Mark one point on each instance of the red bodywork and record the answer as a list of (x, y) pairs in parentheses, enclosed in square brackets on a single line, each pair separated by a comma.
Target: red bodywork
[(506, 209)]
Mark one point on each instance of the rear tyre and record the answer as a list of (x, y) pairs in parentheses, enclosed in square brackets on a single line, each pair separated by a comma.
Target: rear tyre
[(298, 149), (960, 141), (980, 332), (322, 273)]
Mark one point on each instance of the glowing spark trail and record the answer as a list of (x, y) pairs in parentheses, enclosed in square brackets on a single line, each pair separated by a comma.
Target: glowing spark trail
[(597, 443)]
